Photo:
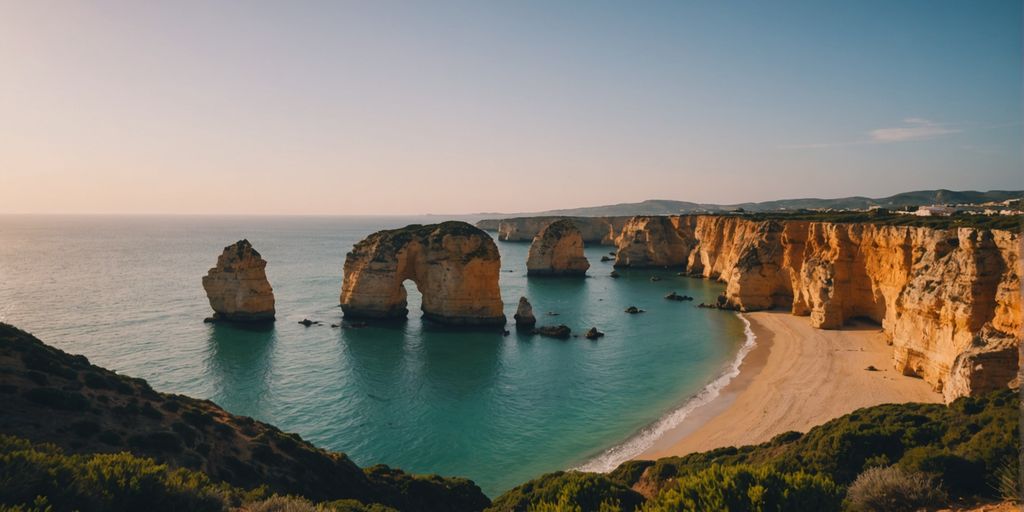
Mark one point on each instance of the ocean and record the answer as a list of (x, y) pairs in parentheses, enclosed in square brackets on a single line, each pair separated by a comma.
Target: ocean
[(126, 292)]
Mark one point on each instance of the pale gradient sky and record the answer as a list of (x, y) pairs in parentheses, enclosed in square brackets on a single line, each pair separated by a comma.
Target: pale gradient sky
[(383, 107)]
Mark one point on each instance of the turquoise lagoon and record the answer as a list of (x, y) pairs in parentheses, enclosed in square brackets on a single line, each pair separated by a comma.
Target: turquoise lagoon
[(126, 292)]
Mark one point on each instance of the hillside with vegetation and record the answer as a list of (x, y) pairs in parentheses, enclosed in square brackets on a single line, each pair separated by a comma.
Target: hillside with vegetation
[(74, 436), (672, 207), (53, 397)]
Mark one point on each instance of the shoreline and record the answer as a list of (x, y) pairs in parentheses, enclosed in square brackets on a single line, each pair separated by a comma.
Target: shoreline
[(796, 377)]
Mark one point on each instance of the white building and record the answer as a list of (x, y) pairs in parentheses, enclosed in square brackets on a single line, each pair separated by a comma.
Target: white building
[(935, 211)]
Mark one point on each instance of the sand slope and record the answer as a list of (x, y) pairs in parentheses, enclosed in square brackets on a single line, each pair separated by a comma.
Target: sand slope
[(796, 378)]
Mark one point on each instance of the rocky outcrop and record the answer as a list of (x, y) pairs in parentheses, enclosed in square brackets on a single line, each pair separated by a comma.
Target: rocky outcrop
[(524, 315), (949, 300), (237, 287), (453, 264), (594, 230), (557, 251)]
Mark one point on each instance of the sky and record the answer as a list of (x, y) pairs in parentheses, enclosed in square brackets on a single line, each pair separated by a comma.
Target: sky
[(384, 107)]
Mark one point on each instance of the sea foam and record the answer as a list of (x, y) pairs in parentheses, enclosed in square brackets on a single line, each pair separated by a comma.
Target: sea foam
[(647, 436)]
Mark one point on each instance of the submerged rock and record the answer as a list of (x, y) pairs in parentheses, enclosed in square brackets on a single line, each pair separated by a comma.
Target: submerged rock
[(605, 259), (593, 334), (237, 287), (557, 251), (307, 322), (633, 310), (676, 297), (524, 315), (453, 264), (557, 331), (614, 274)]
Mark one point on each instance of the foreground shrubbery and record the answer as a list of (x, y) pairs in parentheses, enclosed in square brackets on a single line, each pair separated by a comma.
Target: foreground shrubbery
[(968, 448), (747, 488), (893, 489), (104, 481)]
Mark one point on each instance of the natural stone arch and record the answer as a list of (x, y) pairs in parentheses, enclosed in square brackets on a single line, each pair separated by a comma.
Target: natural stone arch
[(453, 264)]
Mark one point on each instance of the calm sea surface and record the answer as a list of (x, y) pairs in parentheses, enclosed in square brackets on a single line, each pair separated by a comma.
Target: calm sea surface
[(126, 292)]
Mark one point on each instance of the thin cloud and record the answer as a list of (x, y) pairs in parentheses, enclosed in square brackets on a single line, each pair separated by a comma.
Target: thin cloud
[(913, 129)]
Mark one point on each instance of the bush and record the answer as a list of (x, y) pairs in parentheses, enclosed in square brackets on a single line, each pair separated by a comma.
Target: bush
[(568, 491), (751, 488), (101, 482), (57, 399), (893, 489), (278, 503)]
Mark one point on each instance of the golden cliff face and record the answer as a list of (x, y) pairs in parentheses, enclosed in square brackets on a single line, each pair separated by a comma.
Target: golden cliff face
[(949, 300), (557, 251), (453, 264), (237, 287)]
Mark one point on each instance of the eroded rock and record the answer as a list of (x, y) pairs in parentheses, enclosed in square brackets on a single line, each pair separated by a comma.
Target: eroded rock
[(524, 315), (453, 264), (238, 288), (557, 251)]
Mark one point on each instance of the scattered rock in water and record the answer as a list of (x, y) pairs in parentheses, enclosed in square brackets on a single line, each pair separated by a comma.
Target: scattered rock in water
[(676, 297), (681, 274), (871, 368), (307, 322), (593, 334), (614, 274), (335, 326), (655, 279), (605, 259), (561, 332), (209, 320), (505, 332), (552, 313), (633, 310), (524, 315), (354, 325), (612, 253)]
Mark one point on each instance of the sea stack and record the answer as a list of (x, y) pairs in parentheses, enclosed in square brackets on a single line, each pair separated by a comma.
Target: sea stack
[(557, 251), (524, 315), (238, 288), (453, 264)]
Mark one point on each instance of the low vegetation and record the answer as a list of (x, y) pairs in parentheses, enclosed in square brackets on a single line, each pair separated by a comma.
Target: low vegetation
[(884, 218), (100, 441)]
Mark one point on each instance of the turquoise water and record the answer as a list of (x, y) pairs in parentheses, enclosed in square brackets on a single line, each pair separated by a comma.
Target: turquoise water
[(126, 292)]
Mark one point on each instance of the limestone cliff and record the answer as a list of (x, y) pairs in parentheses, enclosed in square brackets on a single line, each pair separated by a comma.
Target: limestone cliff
[(594, 230), (237, 287), (949, 300), (453, 264), (557, 251)]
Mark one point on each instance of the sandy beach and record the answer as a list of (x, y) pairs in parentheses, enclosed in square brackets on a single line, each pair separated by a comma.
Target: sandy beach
[(796, 377)]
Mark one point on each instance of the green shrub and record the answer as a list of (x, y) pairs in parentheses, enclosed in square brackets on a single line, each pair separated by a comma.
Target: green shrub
[(57, 399), (588, 491), (893, 489), (747, 488), (102, 482)]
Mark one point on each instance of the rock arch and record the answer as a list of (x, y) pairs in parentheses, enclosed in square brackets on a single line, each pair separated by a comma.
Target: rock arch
[(454, 265)]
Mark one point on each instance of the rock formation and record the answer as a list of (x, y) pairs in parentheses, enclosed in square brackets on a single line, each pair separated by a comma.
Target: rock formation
[(652, 241), (238, 288), (561, 332), (557, 251), (949, 300), (594, 230), (524, 315), (453, 264)]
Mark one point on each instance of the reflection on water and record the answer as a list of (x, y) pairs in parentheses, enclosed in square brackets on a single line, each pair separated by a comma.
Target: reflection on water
[(239, 365)]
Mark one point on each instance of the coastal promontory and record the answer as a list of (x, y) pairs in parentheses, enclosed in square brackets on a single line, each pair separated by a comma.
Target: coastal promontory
[(453, 264), (238, 288), (557, 251)]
